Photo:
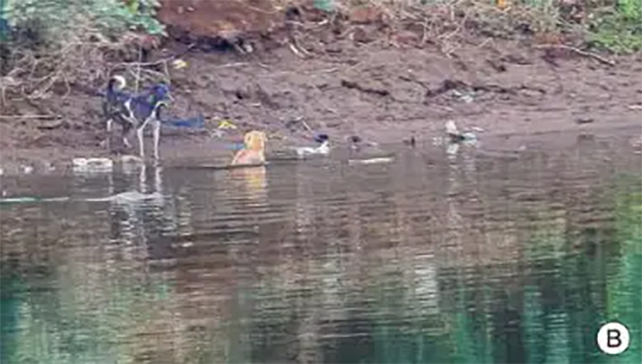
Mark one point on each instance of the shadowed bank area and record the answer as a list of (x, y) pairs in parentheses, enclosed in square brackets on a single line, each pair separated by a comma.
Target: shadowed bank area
[(462, 257)]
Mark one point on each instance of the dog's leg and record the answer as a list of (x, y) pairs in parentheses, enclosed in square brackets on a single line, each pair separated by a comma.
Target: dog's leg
[(126, 141), (126, 131), (130, 121), (139, 134), (156, 126), (109, 126)]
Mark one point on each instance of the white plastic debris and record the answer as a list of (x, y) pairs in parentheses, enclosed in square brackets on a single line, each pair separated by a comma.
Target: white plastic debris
[(452, 149), (322, 149), (26, 169), (48, 166), (371, 160), (131, 159), (92, 164)]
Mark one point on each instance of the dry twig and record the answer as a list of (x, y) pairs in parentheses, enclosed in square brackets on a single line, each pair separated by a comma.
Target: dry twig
[(577, 51)]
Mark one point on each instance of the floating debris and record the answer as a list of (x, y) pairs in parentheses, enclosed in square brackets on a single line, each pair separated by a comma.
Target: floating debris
[(371, 160), (179, 63), (26, 169), (124, 197), (226, 124), (130, 159), (29, 199), (127, 197), (92, 164), (9, 200)]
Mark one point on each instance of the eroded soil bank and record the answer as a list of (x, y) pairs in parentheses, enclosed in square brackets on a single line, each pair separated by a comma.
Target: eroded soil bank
[(382, 88)]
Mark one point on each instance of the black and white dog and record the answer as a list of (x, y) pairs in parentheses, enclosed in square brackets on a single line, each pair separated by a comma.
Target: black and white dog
[(134, 111)]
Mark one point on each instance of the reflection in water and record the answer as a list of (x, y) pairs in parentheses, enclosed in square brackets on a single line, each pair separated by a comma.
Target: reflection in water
[(251, 180), (467, 258)]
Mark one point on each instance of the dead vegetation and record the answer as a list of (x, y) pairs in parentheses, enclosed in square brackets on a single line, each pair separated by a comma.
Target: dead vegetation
[(85, 61)]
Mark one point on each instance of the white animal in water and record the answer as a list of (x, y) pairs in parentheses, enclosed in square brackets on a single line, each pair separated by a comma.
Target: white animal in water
[(457, 136), (322, 149)]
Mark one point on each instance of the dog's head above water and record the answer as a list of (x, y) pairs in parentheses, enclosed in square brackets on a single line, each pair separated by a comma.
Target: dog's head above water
[(255, 140)]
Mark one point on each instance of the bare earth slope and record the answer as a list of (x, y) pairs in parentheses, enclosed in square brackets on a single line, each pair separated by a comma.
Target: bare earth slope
[(349, 77)]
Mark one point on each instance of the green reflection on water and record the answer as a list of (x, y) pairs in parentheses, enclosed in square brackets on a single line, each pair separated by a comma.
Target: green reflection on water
[(544, 308)]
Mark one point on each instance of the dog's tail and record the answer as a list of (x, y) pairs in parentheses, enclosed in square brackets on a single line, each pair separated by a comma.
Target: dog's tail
[(115, 83)]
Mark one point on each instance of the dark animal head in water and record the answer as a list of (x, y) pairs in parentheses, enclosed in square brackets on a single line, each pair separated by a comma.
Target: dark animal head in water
[(355, 142), (411, 141), (321, 138)]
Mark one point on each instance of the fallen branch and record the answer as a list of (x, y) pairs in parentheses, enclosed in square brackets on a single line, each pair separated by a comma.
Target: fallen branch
[(306, 125), (295, 50), (231, 65), (577, 51)]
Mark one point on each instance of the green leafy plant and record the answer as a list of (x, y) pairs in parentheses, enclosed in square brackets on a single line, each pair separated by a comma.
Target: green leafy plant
[(65, 41), (56, 19), (325, 5), (619, 28)]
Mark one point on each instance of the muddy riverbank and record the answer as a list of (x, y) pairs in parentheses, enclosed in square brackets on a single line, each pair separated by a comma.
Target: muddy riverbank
[(382, 88)]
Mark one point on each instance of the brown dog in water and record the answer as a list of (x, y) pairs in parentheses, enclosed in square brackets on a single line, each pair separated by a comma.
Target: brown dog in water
[(254, 151)]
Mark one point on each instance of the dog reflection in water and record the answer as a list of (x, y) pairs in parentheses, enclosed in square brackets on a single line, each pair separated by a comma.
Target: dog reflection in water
[(251, 180), (252, 155)]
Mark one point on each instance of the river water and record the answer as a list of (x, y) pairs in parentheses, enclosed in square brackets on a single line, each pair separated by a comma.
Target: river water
[(477, 256)]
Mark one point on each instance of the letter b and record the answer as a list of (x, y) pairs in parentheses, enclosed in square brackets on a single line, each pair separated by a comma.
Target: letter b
[(613, 338)]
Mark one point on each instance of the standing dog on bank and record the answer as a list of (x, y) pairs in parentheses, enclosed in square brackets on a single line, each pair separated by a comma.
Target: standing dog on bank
[(134, 111)]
